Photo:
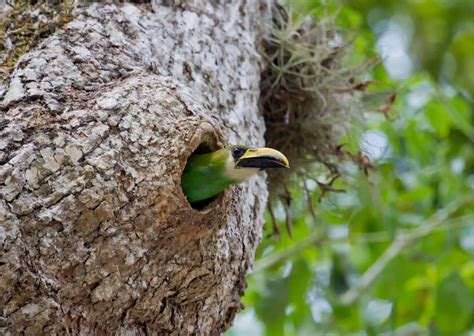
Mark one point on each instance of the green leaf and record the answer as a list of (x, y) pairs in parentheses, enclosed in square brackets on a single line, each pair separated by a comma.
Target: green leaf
[(461, 113), (439, 118), (461, 49), (467, 239), (271, 307), (299, 281), (377, 311), (454, 306)]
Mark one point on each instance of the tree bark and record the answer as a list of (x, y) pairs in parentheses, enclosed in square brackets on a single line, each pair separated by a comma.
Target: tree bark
[(96, 236)]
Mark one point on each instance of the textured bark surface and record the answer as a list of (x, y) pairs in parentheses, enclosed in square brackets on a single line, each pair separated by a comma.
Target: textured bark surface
[(96, 235)]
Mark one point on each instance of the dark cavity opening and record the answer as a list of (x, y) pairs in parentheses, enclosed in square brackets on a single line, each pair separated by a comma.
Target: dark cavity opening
[(203, 148)]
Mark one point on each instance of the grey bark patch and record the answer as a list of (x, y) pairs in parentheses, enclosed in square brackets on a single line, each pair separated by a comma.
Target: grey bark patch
[(96, 234), (15, 92)]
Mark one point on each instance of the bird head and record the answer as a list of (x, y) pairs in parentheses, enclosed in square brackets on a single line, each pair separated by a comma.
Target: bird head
[(244, 161)]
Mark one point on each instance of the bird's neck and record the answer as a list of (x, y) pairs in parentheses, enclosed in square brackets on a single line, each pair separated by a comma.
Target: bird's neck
[(238, 174)]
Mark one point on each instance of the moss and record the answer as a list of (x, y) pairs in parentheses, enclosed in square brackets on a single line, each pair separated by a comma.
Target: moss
[(25, 23), (310, 101)]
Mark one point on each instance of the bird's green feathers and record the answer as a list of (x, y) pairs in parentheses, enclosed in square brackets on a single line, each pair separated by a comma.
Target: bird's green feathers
[(205, 175)]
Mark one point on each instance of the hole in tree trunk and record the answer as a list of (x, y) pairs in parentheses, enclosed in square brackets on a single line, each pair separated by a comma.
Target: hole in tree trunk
[(207, 145), (204, 148), (201, 205)]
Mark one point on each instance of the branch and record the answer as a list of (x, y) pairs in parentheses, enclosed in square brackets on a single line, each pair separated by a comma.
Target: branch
[(269, 261), (401, 241)]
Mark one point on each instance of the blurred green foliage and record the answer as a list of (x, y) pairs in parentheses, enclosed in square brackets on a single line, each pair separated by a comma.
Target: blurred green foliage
[(394, 253), (439, 34)]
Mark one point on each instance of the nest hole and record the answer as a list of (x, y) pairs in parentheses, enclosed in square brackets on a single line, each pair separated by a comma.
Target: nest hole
[(205, 147), (208, 144)]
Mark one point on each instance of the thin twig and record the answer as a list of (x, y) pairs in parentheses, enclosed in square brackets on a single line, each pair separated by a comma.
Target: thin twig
[(271, 260), (309, 200)]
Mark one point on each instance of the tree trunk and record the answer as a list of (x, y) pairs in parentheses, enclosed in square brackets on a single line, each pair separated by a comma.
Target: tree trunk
[(96, 236)]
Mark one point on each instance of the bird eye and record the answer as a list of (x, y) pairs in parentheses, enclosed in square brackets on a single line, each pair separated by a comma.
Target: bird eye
[(237, 152)]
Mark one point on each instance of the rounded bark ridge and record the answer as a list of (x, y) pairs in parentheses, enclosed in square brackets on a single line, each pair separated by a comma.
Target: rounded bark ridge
[(97, 123)]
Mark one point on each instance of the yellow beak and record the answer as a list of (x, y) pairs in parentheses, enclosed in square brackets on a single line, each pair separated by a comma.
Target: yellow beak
[(262, 158)]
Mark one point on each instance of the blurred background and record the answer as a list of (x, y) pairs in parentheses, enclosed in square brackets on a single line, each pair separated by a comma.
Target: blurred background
[(394, 253)]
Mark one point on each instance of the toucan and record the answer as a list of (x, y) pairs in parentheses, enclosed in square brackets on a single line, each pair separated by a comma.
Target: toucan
[(206, 175)]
